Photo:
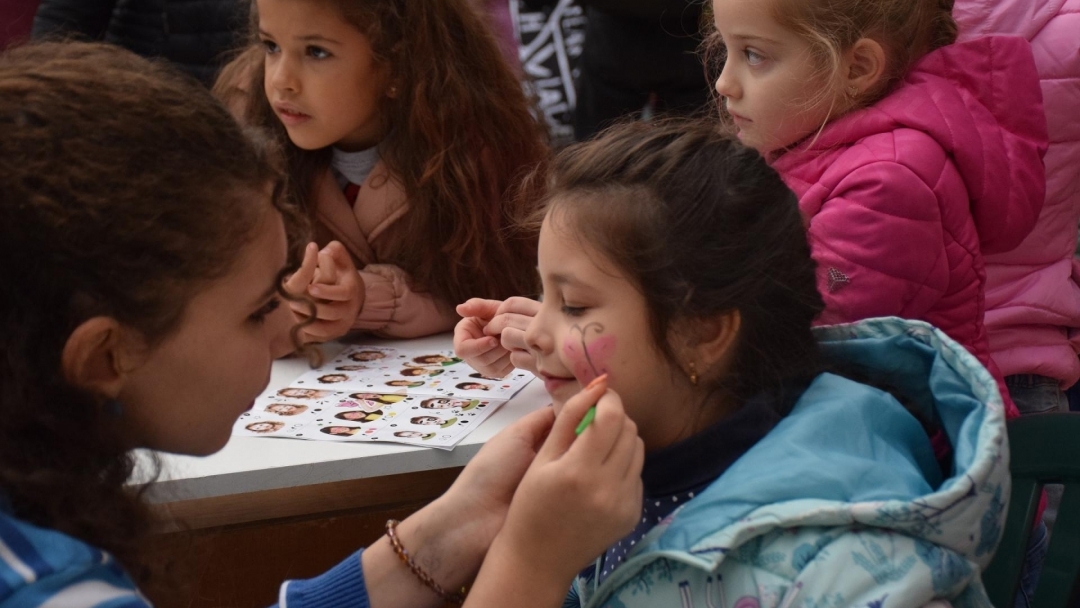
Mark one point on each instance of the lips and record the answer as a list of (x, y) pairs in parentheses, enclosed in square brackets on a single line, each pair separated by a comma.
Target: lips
[(290, 114), (554, 383), (739, 118)]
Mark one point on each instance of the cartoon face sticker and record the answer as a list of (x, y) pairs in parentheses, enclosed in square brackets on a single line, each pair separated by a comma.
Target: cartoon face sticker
[(376, 397), (433, 421), (414, 435), (406, 383), (286, 409), (303, 393), (333, 378), (473, 386), (420, 371), (359, 416), (338, 431), (351, 368), (436, 360), (367, 355), (443, 403), (265, 426)]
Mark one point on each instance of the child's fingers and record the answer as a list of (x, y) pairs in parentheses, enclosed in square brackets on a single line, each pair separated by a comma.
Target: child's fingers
[(519, 305), (595, 443), (563, 434), (332, 311), (522, 359), (323, 331), (340, 257), (327, 272), (333, 293), (514, 339), (470, 341), (302, 309), (491, 357), (504, 321), (298, 282), (478, 307)]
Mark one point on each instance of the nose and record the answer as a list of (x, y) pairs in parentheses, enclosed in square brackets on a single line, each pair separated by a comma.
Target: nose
[(726, 84), (537, 336), (279, 325), (281, 74)]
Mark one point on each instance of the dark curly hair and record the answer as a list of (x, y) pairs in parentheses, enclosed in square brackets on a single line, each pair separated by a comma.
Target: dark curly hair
[(125, 188), (702, 225)]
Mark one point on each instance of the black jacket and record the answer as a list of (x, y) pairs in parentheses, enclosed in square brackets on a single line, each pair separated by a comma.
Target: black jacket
[(648, 11), (195, 34)]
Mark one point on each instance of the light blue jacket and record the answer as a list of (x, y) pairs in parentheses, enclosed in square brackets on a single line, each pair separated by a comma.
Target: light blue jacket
[(843, 503)]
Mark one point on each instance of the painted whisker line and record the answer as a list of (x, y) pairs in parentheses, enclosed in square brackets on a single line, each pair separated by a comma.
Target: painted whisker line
[(584, 347)]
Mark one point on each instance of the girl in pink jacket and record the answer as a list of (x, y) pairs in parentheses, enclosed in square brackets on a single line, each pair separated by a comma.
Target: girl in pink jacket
[(406, 136), (912, 156)]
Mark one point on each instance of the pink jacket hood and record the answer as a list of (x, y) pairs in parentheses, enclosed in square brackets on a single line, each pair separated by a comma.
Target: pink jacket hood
[(980, 101)]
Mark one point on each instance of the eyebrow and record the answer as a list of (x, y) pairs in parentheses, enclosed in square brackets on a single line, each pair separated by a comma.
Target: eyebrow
[(562, 279), (754, 37), (307, 38)]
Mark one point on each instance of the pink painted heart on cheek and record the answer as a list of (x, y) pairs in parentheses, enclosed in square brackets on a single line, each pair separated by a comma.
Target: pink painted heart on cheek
[(591, 361)]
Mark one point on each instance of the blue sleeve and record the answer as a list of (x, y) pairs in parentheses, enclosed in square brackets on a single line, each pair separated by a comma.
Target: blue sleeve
[(40, 567), (340, 587)]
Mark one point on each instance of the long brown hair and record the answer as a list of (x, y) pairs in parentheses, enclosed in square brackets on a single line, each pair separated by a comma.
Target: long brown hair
[(124, 189), (461, 138)]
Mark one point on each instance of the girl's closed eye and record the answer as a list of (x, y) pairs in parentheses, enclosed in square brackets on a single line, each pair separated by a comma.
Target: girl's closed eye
[(259, 316), (270, 46), (573, 311)]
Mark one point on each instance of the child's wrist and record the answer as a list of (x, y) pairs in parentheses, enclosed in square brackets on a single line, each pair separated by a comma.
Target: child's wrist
[(449, 549)]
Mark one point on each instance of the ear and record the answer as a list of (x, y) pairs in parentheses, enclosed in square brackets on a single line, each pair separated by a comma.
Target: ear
[(864, 66), (709, 343), (93, 357)]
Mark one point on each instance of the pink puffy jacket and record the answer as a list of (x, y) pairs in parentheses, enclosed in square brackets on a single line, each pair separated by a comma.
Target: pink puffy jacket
[(903, 198), (1032, 296)]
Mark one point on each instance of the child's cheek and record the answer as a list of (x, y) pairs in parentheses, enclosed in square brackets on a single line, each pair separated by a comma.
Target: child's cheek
[(589, 359)]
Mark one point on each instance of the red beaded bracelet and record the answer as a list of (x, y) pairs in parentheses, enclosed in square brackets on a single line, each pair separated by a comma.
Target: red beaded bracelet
[(450, 598)]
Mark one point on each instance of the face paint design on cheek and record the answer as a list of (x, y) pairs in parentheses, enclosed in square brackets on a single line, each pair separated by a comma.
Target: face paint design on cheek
[(589, 358)]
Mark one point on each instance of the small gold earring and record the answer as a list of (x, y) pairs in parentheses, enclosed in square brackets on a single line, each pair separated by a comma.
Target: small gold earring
[(853, 91), (693, 373), (392, 92)]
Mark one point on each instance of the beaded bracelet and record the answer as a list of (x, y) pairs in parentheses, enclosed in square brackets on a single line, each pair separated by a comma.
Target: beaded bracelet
[(450, 598)]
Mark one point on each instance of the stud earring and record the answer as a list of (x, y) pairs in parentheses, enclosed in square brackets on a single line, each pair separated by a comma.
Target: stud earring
[(853, 91), (392, 92), (693, 373)]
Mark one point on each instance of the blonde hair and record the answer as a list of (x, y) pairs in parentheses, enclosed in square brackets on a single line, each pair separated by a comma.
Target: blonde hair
[(906, 29)]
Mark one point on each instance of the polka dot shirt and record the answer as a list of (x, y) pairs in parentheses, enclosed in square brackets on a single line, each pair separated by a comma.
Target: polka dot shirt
[(678, 473)]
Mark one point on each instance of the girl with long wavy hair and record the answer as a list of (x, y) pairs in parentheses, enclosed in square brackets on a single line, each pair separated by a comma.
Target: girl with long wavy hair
[(406, 137)]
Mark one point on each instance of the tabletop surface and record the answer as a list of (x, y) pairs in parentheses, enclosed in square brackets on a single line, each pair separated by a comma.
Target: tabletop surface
[(252, 464)]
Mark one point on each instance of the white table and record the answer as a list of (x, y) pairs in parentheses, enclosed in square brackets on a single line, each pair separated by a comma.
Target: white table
[(257, 465)]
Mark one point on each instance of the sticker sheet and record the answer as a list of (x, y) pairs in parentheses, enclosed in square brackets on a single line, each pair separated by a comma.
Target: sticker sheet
[(377, 393)]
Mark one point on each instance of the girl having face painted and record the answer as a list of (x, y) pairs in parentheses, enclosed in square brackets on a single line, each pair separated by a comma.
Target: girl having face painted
[(675, 265)]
